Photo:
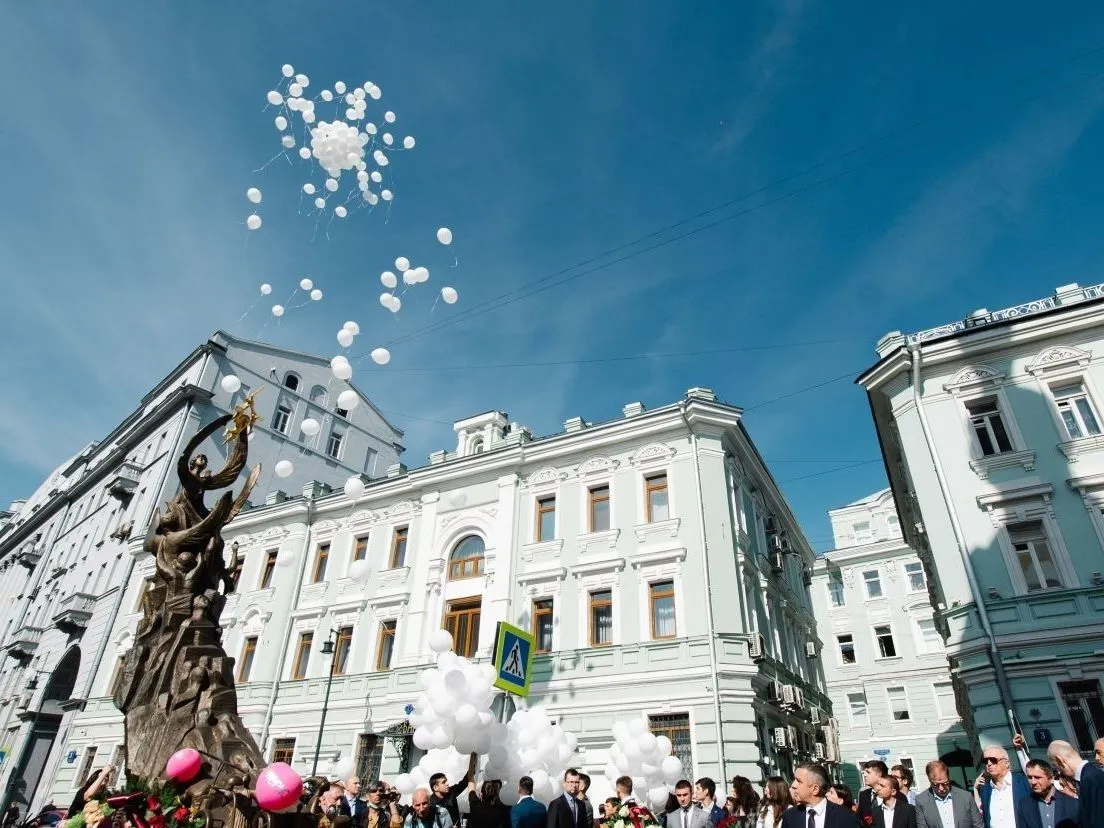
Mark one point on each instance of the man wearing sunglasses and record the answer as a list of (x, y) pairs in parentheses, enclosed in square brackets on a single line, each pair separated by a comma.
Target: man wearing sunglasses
[(1002, 790)]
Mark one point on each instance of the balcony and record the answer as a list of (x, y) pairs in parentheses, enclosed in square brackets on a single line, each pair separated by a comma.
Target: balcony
[(30, 556), (74, 612), (23, 643), (124, 480)]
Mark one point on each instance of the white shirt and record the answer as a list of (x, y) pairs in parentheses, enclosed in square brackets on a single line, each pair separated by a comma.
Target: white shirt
[(767, 820), (945, 806), (1077, 773), (887, 811), (1002, 810), (820, 809)]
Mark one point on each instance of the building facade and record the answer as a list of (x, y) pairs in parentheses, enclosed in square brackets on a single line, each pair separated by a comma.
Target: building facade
[(991, 433), (65, 552), (652, 556), (888, 675)]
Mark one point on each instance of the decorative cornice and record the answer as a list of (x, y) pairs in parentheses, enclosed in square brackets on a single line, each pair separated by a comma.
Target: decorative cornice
[(597, 466), (983, 466), (546, 477), (1058, 358), (974, 376), (653, 454), (656, 532), (1073, 449)]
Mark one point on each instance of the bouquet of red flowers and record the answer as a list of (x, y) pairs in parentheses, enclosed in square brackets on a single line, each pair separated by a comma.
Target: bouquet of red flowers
[(632, 815)]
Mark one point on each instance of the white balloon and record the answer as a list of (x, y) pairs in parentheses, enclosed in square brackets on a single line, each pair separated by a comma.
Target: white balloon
[(340, 211), (304, 81), (671, 768), (370, 128), (286, 559), (281, 123), (440, 641), (310, 426), (386, 195), (657, 796), (375, 93), (388, 138), (402, 263), (371, 198), (326, 95), (288, 70), (288, 142), (253, 222), (404, 784), (449, 295), (230, 384), (308, 117), (646, 742), (308, 188), (342, 371), (295, 90), (395, 304), (380, 158), (381, 356), (376, 176), (388, 280), (354, 488), (306, 284), (316, 294), (305, 154), (348, 399), (352, 327), (389, 116), (444, 235), (277, 310), (408, 142), (320, 202), (410, 276), (663, 746), (266, 289), (254, 195), (637, 726), (344, 338), (284, 468), (275, 98)]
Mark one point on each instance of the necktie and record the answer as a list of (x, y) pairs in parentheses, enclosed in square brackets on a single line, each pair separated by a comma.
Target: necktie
[(812, 818), (685, 818)]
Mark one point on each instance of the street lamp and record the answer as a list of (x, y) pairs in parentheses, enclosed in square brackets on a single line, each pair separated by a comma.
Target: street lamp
[(327, 649)]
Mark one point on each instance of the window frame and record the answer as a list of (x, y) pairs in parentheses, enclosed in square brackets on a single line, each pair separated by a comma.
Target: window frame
[(865, 535), (540, 510), (668, 593), (540, 614), (400, 536), (592, 501), (245, 659), (924, 646), (592, 605), (1044, 538), (321, 563), (878, 648), (343, 650), (287, 414), (291, 375), (268, 568), (388, 630), (360, 546), (865, 709), (470, 608), (866, 584), (300, 661), (457, 568), (904, 695), (650, 489), (338, 438), (941, 714), (840, 647), (84, 769), (917, 568), (283, 749), (1075, 410), (983, 421)]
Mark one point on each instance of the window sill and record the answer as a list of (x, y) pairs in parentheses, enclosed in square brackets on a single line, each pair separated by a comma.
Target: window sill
[(657, 531), (983, 466), (605, 541), (391, 578), (1073, 449), (313, 592), (541, 550), (888, 658)]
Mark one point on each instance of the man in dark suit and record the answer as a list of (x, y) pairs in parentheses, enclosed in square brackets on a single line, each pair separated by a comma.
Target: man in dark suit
[(890, 808), (811, 809), (1046, 807), (527, 812), (1002, 791), (871, 771), (940, 797), (1089, 779), (351, 805), (567, 811)]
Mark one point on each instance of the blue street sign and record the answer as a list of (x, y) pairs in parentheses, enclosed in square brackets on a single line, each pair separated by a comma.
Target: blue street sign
[(882, 752), (71, 757), (513, 659), (408, 709)]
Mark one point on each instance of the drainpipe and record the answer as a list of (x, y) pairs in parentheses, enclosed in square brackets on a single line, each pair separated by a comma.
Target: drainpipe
[(963, 550), (708, 592), (745, 612), (304, 555)]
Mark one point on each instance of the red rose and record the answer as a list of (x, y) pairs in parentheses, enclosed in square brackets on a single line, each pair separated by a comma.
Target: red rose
[(180, 814), (153, 804), (868, 820)]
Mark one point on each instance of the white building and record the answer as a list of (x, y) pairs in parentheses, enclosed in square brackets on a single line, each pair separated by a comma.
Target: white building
[(64, 559), (888, 675), (652, 556)]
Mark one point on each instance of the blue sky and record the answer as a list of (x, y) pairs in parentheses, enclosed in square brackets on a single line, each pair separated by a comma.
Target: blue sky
[(904, 167)]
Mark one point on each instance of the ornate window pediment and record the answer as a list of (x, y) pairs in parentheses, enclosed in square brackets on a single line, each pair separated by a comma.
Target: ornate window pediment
[(974, 377), (544, 477), (1059, 358), (651, 454), (595, 466)]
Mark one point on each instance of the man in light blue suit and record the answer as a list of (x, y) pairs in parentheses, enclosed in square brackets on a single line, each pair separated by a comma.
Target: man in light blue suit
[(527, 813)]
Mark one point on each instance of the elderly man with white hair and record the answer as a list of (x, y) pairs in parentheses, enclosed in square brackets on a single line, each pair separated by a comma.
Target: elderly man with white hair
[(1089, 778), (1002, 791)]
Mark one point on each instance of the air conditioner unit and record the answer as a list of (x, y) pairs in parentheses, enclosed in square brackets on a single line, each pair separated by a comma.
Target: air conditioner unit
[(757, 648), (774, 690), (778, 564), (791, 735), (814, 714), (770, 524), (780, 737), (818, 750), (810, 649), (789, 695), (776, 542)]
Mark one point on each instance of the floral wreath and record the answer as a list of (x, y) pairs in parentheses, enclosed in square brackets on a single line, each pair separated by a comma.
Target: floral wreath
[(631, 815), (143, 805)]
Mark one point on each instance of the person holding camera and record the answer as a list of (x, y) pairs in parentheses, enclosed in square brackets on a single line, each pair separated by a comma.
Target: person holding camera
[(424, 814), (383, 807)]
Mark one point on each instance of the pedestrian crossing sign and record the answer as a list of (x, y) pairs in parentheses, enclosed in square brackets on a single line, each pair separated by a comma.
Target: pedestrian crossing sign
[(513, 659)]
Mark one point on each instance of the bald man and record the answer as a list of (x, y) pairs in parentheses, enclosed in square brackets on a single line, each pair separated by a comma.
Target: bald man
[(1089, 778), (424, 814)]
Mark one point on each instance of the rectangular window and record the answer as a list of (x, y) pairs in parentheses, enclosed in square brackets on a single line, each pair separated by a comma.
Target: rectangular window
[(546, 518), (462, 621), (1029, 543), (894, 526), (846, 644), (599, 508), (663, 609), (1085, 710), (862, 531), (542, 625), (245, 661), (85, 766), (268, 567), (142, 592), (884, 636), (676, 727), (989, 431), (655, 490), (601, 618), (302, 656), (836, 596), (343, 413), (898, 704), (283, 750), (281, 419), (360, 548), (117, 675), (930, 639), (321, 561), (369, 757), (386, 646), (873, 581), (945, 706), (856, 706), (398, 547), (343, 645), (915, 574), (333, 445), (1076, 410)]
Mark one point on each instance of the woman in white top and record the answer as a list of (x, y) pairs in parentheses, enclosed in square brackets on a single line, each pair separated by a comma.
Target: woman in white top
[(776, 799)]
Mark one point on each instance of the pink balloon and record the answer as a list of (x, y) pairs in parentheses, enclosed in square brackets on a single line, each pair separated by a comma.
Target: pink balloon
[(278, 787), (184, 765)]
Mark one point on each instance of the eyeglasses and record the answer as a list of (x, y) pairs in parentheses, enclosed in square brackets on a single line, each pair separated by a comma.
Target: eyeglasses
[(992, 760)]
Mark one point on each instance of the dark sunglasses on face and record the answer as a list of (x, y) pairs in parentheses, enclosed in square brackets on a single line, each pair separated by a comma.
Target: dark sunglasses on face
[(992, 760)]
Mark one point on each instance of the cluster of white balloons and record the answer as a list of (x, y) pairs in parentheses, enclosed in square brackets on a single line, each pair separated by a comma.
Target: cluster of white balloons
[(448, 761), (454, 707), (536, 747), (647, 758), (253, 222)]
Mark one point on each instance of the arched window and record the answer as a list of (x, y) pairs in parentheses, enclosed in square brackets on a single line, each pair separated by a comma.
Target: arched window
[(318, 396), (466, 560), (477, 445), (291, 381)]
